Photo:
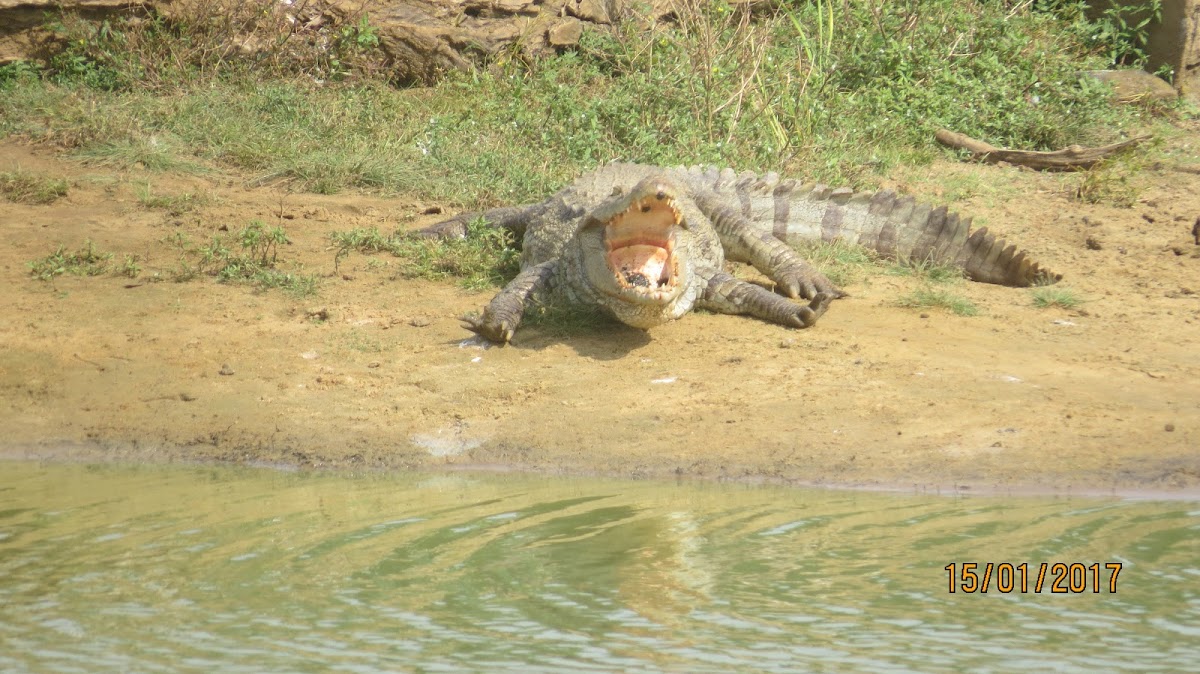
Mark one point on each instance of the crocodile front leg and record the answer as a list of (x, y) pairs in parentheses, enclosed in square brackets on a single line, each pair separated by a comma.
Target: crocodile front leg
[(729, 295), (503, 314), (744, 243)]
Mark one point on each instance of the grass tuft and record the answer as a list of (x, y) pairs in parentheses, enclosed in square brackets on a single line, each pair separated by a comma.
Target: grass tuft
[(841, 262), (938, 298), (484, 259), (24, 187), (1055, 296), (173, 204)]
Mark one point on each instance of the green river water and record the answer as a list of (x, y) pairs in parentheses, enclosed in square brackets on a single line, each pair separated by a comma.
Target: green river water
[(214, 569)]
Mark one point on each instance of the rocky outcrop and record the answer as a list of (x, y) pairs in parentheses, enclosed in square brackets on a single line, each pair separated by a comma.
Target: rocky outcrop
[(23, 35), (420, 38)]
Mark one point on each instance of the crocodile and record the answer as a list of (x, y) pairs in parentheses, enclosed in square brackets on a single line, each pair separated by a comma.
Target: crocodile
[(648, 244)]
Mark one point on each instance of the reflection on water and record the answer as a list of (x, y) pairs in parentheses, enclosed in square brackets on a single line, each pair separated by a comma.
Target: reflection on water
[(229, 570)]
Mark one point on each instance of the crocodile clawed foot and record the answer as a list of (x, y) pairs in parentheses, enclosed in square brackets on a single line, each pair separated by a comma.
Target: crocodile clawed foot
[(806, 316), (498, 332), (808, 283)]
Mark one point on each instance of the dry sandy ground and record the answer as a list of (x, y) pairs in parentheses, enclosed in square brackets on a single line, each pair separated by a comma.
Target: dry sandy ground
[(1104, 398)]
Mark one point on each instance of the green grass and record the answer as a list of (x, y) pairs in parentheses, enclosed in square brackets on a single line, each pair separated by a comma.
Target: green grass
[(842, 263), (24, 187), (84, 261), (173, 204), (151, 152), (840, 92), (485, 259), (1045, 297), (939, 298)]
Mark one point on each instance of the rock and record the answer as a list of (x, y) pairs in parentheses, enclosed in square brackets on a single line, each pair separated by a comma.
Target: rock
[(1135, 85), (565, 34)]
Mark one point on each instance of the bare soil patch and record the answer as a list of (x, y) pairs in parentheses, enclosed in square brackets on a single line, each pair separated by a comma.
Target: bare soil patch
[(376, 371)]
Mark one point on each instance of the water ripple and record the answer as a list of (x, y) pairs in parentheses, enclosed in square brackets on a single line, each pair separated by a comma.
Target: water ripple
[(208, 569)]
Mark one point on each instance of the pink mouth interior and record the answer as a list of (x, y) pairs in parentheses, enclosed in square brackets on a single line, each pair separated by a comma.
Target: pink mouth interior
[(640, 246)]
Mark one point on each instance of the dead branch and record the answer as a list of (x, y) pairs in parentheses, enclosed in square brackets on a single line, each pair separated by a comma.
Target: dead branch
[(1072, 158)]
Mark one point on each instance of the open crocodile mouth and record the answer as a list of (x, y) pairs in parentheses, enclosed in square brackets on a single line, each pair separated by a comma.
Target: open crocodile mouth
[(640, 248)]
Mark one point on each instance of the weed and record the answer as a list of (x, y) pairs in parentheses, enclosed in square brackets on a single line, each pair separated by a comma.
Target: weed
[(175, 204), (1055, 296), (261, 243), (17, 72), (30, 188), (485, 258), (86, 261), (253, 263), (927, 298), (130, 267)]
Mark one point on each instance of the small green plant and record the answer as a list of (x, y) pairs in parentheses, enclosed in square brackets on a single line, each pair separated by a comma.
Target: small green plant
[(130, 267), (938, 298), (17, 72), (1117, 30), (86, 261), (174, 204), (261, 243), (485, 258), (254, 262), (1055, 296), (30, 188)]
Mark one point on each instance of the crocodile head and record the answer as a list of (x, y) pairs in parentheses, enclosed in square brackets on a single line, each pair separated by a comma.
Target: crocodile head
[(636, 253)]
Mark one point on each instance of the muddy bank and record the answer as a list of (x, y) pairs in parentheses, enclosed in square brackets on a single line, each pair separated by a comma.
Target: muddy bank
[(375, 371)]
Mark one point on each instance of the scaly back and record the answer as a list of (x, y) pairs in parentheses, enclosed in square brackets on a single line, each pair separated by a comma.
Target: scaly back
[(893, 226)]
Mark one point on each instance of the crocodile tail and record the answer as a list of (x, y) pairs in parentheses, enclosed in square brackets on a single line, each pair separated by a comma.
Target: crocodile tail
[(894, 226)]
